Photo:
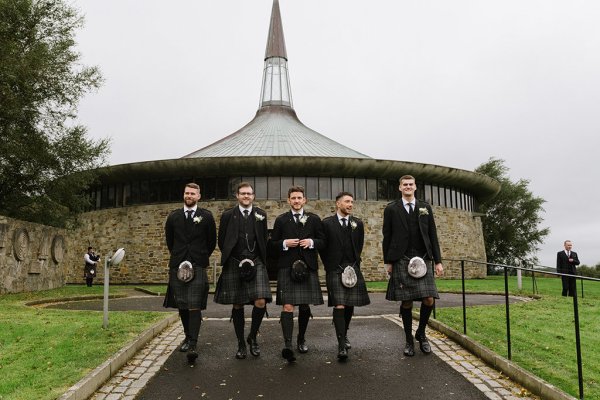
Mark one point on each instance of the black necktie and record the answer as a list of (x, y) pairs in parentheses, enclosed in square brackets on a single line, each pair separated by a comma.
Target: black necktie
[(344, 223), (297, 217), (246, 212), (410, 208), (189, 214)]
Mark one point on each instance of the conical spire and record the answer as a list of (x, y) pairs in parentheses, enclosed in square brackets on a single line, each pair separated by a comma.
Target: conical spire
[(276, 89), (276, 131)]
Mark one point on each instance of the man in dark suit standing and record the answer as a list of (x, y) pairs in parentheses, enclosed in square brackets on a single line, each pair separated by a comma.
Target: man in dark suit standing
[(244, 279), (409, 231), (297, 235), (344, 235), (191, 235), (566, 263)]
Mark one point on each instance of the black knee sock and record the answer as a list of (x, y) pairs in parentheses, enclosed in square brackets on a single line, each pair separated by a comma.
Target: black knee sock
[(184, 315), (237, 315), (257, 317), (348, 313), (287, 326), (406, 314), (195, 320), (303, 318), (340, 324), (424, 314)]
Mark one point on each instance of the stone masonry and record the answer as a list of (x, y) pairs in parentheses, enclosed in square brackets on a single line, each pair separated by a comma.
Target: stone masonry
[(140, 230)]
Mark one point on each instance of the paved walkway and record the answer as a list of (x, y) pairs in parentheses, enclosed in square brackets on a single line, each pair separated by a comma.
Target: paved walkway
[(376, 367)]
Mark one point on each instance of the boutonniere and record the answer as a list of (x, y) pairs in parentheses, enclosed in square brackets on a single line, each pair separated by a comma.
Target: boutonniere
[(259, 217), (353, 224), (303, 219), (423, 211), (197, 220)]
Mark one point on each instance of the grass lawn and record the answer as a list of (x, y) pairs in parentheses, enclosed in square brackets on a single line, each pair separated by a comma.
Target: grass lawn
[(43, 351), (542, 331)]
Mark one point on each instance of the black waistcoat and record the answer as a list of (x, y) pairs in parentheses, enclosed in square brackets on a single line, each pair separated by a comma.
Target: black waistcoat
[(246, 244), (347, 252), (416, 245)]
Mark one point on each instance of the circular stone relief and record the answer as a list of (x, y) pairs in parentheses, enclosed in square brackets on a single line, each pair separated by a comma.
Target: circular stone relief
[(58, 248), (21, 244)]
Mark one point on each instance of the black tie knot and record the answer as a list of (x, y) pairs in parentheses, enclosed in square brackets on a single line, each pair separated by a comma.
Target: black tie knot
[(297, 217), (189, 214), (410, 208), (344, 224), (246, 212)]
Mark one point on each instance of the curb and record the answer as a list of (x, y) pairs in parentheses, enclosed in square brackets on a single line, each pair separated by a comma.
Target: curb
[(95, 379), (525, 378)]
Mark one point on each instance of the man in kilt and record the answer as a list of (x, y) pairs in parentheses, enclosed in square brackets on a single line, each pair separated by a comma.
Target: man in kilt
[(409, 231), (244, 279), (297, 235), (191, 235), (344, 236), (91, 266)]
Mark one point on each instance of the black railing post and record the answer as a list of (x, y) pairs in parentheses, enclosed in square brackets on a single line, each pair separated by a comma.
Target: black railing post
[(578, 344), (464, 298), (508, 344), (582, 295)]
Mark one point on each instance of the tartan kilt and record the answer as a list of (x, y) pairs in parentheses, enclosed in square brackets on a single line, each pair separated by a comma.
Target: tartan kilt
[(231, 289), (403, 287), (296, 293), (190, 295), (338, 294)]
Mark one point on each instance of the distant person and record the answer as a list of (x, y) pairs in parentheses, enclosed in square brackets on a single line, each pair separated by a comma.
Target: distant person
[(191, 236), (91, 266), (566, 263), (345, 236), (244, 280), (296, 237), (409, 232)]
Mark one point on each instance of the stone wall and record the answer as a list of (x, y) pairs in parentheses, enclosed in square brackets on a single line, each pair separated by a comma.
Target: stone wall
[(139, 229), (32, 256)]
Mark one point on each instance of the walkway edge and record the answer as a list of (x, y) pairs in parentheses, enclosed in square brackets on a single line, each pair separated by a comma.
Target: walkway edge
[(87, 386), (523, 377)]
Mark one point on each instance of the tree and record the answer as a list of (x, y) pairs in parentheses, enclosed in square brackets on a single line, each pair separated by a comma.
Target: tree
[(46, 161), (511, 224)]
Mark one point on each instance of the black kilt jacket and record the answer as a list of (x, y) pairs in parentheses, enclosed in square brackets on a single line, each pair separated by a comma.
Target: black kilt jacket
[(288, 291), (331, 254), (395, 231), (192, 241), (229, 230)]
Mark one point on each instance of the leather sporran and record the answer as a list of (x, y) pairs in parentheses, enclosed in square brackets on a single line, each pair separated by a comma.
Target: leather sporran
[(417, 268), (299, 271), (349, 277), (247, 269), (185, 272)]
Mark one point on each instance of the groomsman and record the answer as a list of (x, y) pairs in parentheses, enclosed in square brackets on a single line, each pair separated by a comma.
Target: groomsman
[(296, 237), (244, 280), (409, 231), (344, 235), (191, 236), (566, 263)]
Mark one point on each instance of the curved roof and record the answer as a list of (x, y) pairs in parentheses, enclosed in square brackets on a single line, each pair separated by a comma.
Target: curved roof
[(479, 185), (276, 131)]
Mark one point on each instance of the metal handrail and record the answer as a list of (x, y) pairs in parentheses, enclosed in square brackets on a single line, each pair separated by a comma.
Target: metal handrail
[(507, 305)]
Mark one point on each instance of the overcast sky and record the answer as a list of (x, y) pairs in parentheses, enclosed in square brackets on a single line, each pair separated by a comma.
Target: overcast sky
[(441, 82)]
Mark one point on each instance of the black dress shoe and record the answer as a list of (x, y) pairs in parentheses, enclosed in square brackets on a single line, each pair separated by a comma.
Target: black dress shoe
[(288, 354), (192, 355), (347, 343), (254, 348), (423, 343), (409, 349), (185, 346), (342, 352), (301, 345), (241, 351)]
